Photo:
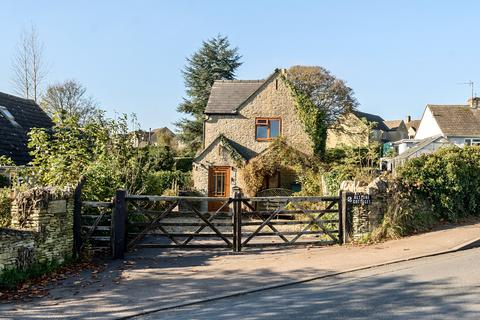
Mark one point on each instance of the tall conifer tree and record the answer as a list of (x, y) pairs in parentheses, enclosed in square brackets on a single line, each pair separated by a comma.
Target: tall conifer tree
[(215, 60)]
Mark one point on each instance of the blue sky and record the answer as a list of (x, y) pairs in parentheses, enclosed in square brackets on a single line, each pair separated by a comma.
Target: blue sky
[(396, 55)]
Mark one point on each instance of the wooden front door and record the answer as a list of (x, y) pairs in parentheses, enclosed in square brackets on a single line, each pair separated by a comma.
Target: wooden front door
[(218, 186)]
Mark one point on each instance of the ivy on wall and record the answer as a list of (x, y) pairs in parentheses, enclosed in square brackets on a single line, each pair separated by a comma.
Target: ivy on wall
[(311, 117), (321, 100), (279, 155)]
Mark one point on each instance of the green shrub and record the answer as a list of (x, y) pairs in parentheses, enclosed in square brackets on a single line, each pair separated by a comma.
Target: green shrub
[(160, 181), (449, 178), (184, 164), (407, 213), (101, 151), (5, 205)]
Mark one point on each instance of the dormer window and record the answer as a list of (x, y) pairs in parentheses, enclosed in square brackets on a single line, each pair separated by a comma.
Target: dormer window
[(267, 128), (6, 114)]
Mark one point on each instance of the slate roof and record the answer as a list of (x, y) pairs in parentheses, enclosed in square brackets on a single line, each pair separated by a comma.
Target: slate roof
[(457, 120), (14, 134), (242, 152), (379, 122), (227, 95)]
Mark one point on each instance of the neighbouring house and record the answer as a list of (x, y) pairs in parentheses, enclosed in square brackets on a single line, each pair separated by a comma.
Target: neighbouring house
[(243, 118), (460, 124), (17, 117), (157, 137), (412, 127), (424, 146), (361, 128)]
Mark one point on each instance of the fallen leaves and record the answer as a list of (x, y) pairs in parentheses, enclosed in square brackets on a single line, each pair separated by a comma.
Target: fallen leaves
[(39, 287)]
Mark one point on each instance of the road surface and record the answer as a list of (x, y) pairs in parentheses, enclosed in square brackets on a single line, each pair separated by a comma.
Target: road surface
[(440, 287)]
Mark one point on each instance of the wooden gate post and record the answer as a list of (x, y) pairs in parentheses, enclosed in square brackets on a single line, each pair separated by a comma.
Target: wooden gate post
[(119, 224), (237, 222), (77, 219), (344, 218)]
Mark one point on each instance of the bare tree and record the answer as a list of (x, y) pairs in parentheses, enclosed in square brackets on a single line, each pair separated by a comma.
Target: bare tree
[(70, 99), (29, 69)]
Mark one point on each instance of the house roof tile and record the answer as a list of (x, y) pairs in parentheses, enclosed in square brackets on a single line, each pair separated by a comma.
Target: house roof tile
[(227, 95), (377, 120), (393, 124), (18, 117), (457, 120)]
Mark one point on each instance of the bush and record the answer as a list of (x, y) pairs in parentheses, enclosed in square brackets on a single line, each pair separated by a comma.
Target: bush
[(350, 163), (5, 206), (184, 164), (406, 213), (449, 178), (101, 151), (158, 182)]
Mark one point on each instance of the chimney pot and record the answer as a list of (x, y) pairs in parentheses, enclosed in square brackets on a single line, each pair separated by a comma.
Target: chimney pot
[(409, 118)]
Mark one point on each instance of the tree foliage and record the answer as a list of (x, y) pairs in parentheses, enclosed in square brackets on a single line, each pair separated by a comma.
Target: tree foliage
[(321, 100), (69, 99), (215, 60), (102, 151)]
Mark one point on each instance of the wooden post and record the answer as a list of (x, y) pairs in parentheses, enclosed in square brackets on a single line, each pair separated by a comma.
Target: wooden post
[(345, 217), (341, 222), (77, 219), (237, 222), (119, 224)]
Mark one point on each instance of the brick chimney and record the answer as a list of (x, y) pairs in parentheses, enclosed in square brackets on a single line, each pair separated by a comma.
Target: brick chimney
[(474, 102)]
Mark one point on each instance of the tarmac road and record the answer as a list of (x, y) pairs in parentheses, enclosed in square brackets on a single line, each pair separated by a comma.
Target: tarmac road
[(440, 287)]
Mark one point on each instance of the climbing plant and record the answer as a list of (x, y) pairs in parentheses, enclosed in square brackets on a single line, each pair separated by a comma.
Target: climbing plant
[(321, 100), (278, 155)]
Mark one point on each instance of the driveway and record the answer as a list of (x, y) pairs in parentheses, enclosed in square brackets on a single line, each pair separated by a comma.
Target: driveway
[(150, 279)]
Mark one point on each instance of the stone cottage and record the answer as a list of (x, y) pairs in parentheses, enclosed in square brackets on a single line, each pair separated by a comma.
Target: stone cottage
[(243, 117)]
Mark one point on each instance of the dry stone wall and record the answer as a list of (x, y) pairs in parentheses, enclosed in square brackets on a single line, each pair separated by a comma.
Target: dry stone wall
[(41, 230), (366, 217)]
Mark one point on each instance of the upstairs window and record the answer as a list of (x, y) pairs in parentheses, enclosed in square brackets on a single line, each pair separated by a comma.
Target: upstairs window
[(267, 128)]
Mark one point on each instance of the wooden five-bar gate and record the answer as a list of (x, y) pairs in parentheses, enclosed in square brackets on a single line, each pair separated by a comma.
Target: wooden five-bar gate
[(137, 221)]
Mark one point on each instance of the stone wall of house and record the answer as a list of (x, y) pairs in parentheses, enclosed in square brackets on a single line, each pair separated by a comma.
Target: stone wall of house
[(365, 218), (218, 156), (41, 230), (351, 132), (275, 100)]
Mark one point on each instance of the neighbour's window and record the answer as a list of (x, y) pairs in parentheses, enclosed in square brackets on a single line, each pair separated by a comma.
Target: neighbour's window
[(472, 142), (267, 128)]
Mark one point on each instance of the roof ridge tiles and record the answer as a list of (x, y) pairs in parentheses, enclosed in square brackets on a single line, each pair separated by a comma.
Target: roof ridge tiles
[(241, 81)]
